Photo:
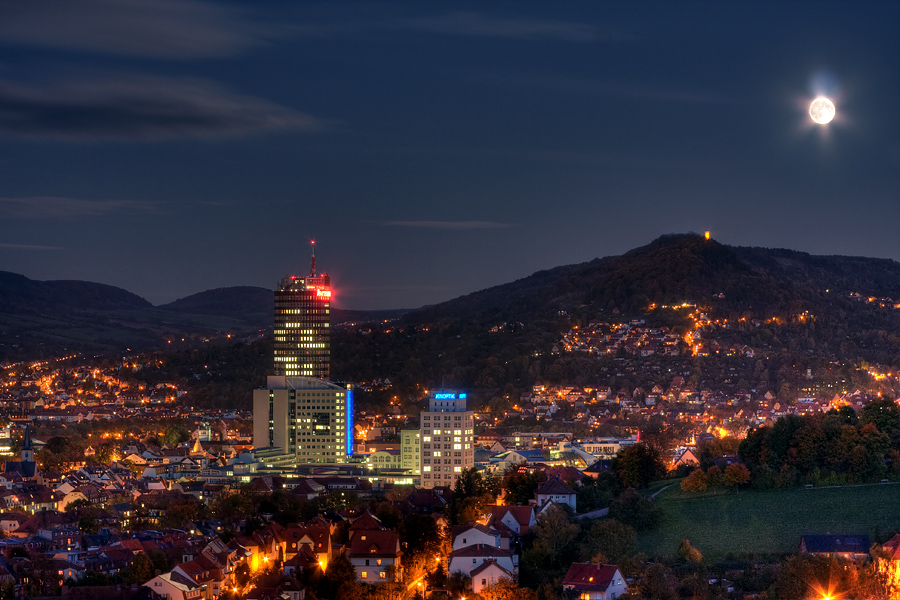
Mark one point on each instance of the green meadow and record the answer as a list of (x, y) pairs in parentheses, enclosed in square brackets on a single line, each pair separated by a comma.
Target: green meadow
[(768, 521)]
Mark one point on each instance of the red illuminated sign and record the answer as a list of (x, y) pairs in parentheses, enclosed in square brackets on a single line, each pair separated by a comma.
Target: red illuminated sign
[(323, 293)]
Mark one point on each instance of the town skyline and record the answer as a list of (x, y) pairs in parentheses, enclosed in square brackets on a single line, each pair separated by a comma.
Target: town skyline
[(431, 152)]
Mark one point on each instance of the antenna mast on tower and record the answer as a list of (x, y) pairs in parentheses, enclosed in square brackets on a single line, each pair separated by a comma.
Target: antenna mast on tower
[(312, 269)]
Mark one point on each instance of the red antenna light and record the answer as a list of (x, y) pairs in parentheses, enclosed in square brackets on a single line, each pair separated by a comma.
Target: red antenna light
[(312, 271)]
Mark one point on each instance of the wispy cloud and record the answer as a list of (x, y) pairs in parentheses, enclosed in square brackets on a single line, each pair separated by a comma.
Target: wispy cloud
[(139, 108), (482, 25), (53, 207), (28, 247), (450, 225), (152, 28)]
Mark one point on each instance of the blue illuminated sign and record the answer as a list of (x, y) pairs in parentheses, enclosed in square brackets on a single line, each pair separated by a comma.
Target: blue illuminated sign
[(449, 396), (349, 430)]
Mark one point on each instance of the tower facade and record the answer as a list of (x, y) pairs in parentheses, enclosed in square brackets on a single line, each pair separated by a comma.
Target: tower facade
[(446, 432), (309, 419), (303, 325)]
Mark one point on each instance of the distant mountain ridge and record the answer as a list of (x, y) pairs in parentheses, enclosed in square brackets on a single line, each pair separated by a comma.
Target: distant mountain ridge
[(42, 319), (674, 269), (17, 292)]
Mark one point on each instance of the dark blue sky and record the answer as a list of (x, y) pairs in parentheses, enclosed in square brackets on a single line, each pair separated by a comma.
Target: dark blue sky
[(434, 149)]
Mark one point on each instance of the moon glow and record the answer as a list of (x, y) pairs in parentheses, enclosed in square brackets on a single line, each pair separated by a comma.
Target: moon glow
[(821, 110)]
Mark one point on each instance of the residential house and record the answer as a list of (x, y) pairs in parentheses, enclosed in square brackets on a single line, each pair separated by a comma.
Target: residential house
[(469, 558), (174, 586), (852, 547), (375, 555), (591, 581), (488, 573), (471, 534), (518, 519), (556, 491)]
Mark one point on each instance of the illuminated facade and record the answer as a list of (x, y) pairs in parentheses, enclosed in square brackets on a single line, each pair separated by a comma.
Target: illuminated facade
[(303, 325), (446, 431), (411, 450), (308, 419)]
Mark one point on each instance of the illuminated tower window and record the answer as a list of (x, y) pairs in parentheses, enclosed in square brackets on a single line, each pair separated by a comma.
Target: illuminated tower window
[(303, 325)]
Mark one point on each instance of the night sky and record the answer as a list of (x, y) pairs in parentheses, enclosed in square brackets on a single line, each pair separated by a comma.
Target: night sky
[(434, 149)]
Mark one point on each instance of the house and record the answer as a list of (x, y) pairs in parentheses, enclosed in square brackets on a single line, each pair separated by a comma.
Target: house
[(11, 521), (488, 573), (174, 586), (469, 558), (892, 548), (372, 553), (555, 490), (518, 519), (205, 573), (686, 456), (852, 547), (595, 581), (471, 534)]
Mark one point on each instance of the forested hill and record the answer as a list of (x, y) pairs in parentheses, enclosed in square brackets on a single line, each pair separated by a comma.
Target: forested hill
[(758, 282), (46, 319), (794, 311)]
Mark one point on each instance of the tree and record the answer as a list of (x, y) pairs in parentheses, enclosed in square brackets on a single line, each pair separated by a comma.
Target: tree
[(695, 482), (736, 475), (885, 415), (520, 486), (420, 536), (597, 493), (340, 580), (806, 576), (78, 504), (638, 465), (88, 524), (180, 513), (470, 494), (635, 510), (458, 583), (689, 553), (553, 548), (657, 582), (506, 589), (609, 541), (714, 476), (140, 570), (176, 434)]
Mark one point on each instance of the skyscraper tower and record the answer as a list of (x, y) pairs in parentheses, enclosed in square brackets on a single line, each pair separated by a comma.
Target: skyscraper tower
[(303, 324)]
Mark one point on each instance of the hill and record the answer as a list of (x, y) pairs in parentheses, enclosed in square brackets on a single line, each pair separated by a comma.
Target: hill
[(256, 306), (793, 310), (768, 522), (796, 310), (41, 319), (20, 294), (677, 268), (254, 302)]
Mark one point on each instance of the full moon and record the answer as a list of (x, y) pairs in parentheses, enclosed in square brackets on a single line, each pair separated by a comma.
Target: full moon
[(821, 110)]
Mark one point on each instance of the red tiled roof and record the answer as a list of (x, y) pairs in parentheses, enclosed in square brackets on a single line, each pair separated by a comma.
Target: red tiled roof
[(375, 543), (588, 577)]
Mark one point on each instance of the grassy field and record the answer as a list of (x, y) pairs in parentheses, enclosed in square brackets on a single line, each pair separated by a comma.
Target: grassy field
[(768, 522)]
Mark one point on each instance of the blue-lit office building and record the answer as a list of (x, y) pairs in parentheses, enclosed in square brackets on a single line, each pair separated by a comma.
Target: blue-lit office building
[(310, 420)]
